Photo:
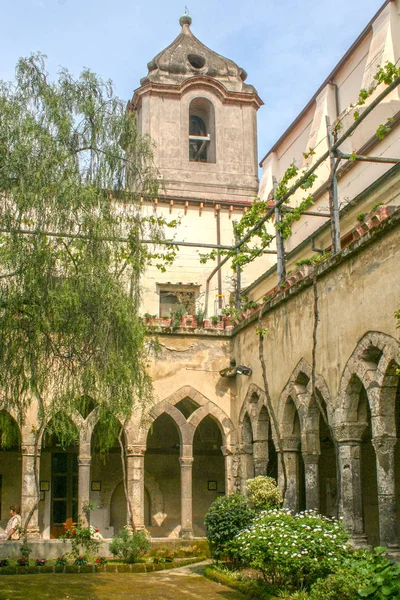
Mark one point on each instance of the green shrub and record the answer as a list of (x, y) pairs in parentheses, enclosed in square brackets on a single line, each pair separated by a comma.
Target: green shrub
[(263, 493), (253, 589), (226, 516), (129, 547), (291, 550), (342, 585), (364, 575)]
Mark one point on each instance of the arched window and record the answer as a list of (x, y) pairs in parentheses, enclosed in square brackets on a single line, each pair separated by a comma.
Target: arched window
[(201, 131)]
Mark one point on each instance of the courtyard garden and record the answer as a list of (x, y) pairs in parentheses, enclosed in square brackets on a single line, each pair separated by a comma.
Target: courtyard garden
[(266, 551), (260, 551)]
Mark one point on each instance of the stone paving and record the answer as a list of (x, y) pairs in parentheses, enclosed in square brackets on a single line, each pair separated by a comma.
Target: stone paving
[(186, 583)]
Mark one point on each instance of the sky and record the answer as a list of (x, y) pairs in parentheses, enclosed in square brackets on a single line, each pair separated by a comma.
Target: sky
[(287, 47)]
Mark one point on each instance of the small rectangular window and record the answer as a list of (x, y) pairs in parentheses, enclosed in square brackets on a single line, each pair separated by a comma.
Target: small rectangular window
[(172, 296)]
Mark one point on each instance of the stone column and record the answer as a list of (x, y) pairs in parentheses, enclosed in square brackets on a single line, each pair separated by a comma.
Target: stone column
[(291, 453), (351, 506), (231, 468), (84, 459), (186, 462), (311, 472), (246, 465), (384, 450), (29, 492), (260, 457), (135, 484)]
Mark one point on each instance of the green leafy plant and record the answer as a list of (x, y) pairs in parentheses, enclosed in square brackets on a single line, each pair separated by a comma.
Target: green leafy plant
[(303, 261), (263, 493), (25, 550), (61, 561), (176, 317), (250, 304), (214, 319), (129, 547), (376, 206), (226, 516), (364, 574), (199, 316), (85, 541), (361, 216), (291, 550)]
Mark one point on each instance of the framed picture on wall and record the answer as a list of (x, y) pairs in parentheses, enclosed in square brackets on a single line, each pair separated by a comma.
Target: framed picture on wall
[(96, 486), (212, 485), (44, 486)]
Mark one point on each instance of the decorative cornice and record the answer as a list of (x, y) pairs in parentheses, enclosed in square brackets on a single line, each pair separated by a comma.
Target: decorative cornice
[(200, 82)]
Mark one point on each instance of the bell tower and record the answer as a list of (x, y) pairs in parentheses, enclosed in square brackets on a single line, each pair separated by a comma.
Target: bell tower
[(201, 116)]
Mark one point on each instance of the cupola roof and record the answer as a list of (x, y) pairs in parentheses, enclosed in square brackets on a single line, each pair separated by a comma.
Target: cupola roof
[(187, 57)]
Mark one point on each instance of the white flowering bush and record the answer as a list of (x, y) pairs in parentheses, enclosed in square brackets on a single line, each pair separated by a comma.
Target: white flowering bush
[(291, 550), (263, 493)]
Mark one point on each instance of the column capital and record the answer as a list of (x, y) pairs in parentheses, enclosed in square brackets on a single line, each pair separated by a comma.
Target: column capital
[(310, 459), (384, 444), (135, 450), (29, 450), (291, 444), (84, 461), (349, 433), (246, 448), (186, 461), (229, 450)]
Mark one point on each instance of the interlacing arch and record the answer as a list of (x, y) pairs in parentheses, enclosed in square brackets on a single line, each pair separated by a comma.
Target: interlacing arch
[(372, 365), (299, 397), (187, 426)]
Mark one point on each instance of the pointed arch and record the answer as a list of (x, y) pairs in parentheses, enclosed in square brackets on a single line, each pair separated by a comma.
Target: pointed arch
[(225, 424)]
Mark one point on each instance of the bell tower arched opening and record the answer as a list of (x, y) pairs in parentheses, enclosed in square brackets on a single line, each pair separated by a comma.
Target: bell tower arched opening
[(202, 131)]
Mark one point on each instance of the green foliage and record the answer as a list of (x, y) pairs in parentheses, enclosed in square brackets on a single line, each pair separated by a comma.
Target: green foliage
[(303, 261), (9, 432), (376, 206), (364, 574), (85, 541), (361, 216), (176, 316), (250, 304), (253, 589), (70, 245), (226, 516), (129, 547), (382, 131), (285, 226), (291, 550), (25, 550), (263, 493), (214, 319), (199, 316)]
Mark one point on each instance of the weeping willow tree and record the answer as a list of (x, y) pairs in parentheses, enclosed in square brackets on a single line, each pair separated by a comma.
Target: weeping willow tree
[(70, 247)]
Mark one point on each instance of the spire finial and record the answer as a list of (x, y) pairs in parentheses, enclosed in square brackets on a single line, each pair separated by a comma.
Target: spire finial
[(185, 19)]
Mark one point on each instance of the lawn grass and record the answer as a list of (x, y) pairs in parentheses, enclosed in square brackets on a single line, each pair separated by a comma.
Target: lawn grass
[(110, 586)]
